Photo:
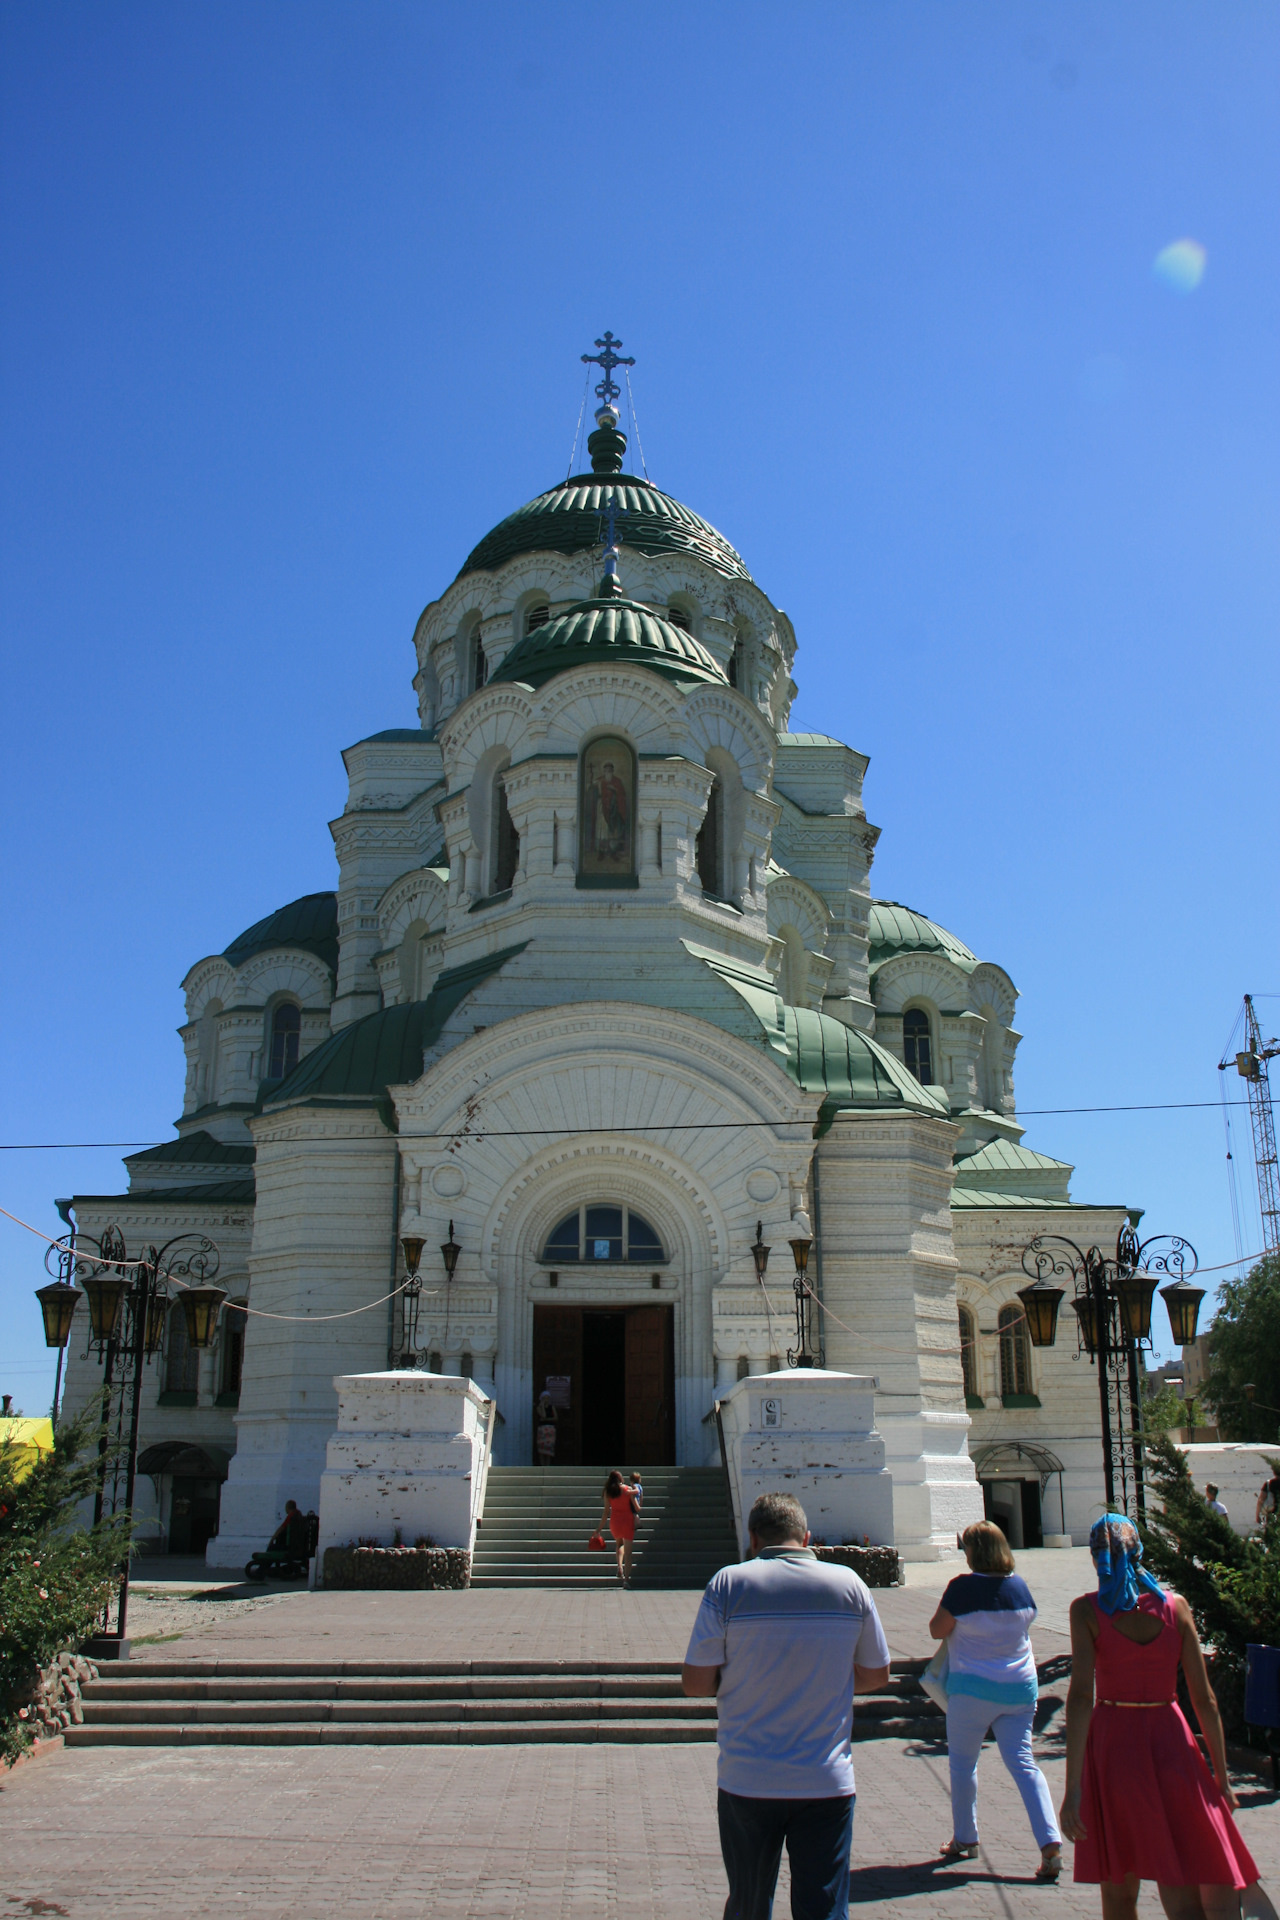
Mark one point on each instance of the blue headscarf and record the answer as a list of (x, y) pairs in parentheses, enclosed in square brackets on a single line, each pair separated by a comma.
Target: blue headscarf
[(1119, 1562)]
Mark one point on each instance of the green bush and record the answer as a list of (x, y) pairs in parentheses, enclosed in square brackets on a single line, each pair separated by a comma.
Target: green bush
[(1231, 1584), (1244, 1350), (55, 1574)]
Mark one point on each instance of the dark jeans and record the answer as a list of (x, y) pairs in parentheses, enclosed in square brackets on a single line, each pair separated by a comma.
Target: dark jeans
[(817, 1834)]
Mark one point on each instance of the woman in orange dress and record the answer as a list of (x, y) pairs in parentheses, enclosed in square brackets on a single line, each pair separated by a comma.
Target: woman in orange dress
[(1140, 1802), (621, 1505)]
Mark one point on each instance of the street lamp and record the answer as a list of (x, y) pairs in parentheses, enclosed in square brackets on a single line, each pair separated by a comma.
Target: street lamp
[(128, 1310), (803, 1354), (1112, 1305), (411, 1292)]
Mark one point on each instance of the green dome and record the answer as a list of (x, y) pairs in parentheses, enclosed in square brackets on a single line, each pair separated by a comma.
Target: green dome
[(893, 929), (853, 1070), (612, 631), (310, 923)]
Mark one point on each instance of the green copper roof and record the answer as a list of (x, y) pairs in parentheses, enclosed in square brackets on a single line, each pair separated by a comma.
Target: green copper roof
[(567, 520), (194, 1149), (614, 631), (820, 1053), (310, 923), (895, 929), (384, 1049)]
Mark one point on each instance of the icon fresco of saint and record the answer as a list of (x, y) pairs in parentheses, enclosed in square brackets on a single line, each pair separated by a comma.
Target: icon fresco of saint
[(607, 831)]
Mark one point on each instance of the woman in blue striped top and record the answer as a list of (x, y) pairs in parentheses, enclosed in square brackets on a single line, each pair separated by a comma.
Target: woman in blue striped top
[(985, 1617)]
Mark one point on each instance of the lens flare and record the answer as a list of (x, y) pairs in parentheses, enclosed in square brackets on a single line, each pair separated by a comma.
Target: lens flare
[(1180, 266)]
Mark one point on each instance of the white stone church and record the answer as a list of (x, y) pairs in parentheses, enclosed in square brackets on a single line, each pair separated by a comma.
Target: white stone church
[(602, 985)]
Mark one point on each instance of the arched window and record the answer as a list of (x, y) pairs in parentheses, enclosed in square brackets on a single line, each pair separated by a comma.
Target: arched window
[(234, 1322), (286, 1031), (969, 1358), (506, 841), (607, 814), (182, 1361), (593, 1232), (1015, 1354), (478, 664), (537, 616), (709, 845), (677, 617), (917, 1046), (738, 665)]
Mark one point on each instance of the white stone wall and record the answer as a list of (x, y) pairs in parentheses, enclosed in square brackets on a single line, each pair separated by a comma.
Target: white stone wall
[(409, 1457), (811, 1433)]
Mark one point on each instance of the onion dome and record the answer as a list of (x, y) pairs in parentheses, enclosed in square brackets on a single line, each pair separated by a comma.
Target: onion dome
[(567, 518), (608, 630)]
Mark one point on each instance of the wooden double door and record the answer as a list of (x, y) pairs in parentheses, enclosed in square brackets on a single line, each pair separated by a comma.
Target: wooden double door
[(615, 1368)]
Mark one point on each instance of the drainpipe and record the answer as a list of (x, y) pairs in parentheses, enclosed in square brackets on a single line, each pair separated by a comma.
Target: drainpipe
[(395, 1261), (817, 1242)]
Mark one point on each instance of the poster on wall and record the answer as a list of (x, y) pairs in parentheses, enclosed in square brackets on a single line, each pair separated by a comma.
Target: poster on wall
[(557, 1390)]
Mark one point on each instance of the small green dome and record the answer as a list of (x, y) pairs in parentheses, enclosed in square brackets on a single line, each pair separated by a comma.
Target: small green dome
[(310, 923), (894, 929), (609, 630)]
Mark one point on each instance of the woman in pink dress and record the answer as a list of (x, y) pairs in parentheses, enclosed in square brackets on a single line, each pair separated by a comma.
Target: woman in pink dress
[(621, 1505), (1140, 1802)]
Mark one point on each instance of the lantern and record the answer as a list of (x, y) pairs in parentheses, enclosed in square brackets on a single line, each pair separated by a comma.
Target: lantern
[(1135, 1292), (1183, 1301), (105, 1292), (200, 1311), (157, 1320), (449, 1254), (800, 1248), (1041, 1303), (413, 1246), (57, 1304), (759, 1251), (1085, 1307)]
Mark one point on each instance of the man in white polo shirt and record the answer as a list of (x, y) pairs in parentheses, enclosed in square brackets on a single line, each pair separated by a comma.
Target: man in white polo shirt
[(784, 1641)]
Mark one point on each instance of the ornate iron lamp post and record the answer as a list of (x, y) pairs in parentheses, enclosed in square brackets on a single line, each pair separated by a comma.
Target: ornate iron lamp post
[(128, 1313), (411, 1293), (804, 1354), (1112, 1304)]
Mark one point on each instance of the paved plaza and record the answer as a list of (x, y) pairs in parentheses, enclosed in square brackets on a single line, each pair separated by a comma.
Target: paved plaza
[(529, 1833)]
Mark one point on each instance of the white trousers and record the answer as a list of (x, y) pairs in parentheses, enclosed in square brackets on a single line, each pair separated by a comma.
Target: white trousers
[(967, 1723)]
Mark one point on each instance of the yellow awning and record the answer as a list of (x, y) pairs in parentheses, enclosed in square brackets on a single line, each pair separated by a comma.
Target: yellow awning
[(24, 1441)]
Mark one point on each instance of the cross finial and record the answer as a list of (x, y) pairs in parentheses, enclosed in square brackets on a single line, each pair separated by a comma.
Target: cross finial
[(608, 388)]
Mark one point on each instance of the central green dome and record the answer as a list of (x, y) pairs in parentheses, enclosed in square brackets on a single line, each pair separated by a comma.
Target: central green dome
[(609, 630), (566, 519)]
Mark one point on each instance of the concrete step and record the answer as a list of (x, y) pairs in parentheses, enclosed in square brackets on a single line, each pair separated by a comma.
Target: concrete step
[(142, 1694), (418, 1733), (428, 1712)]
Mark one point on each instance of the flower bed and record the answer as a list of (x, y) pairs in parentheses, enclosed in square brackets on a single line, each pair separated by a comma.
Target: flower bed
[(878, 1566), (405, 1569)]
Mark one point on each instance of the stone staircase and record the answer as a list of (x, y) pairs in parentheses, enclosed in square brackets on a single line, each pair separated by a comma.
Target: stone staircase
[(537, 1522), (181, 1703)]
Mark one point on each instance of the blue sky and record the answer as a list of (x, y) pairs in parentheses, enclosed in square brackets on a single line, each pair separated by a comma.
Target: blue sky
[(292, 303)]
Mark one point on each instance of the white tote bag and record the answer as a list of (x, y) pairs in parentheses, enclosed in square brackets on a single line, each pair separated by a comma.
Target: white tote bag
[(934, 1677)]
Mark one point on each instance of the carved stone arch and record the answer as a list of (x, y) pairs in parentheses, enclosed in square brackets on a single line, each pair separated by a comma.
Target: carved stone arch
[(658, 1185), (212, 979), (719, 717), (925, 978), (284, 972), (792, 902), (497, 716), (992, 984), (632, 701), (420, 895)]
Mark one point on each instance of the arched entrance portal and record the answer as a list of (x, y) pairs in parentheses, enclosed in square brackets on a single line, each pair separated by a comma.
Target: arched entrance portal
[(603, 1368), (609, 1374)]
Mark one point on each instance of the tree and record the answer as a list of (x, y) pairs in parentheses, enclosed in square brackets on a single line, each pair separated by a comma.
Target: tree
[(1244, 1349), (56, 1575), (1232, 1585)]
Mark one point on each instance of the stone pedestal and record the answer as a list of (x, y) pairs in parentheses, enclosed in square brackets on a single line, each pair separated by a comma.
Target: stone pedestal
[(811, 1433), (410, 1455)]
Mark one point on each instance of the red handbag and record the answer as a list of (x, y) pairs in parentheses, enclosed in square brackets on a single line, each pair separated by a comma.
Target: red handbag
[(596, 1543)]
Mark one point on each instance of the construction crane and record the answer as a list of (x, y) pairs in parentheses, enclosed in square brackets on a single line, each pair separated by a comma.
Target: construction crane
[(1251, 1065)]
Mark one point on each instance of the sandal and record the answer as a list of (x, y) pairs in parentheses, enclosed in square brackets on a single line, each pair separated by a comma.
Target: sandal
[(1050, 1867), (960, 1850)]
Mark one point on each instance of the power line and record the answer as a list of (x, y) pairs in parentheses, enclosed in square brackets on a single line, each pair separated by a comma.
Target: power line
[(665, 1126)]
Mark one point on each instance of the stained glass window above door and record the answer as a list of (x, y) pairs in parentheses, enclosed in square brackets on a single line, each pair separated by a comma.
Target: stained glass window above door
[(600, 1232)]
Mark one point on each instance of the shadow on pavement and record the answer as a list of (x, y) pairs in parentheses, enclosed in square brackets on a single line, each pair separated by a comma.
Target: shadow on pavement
[(926, 1876)]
